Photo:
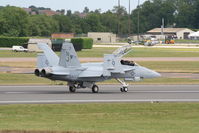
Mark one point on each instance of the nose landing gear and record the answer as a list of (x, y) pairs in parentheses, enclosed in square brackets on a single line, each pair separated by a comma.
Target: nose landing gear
[(124, 87)]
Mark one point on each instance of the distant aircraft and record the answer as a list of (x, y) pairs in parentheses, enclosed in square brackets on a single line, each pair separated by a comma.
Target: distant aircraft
[(68, 68), (151, 42)]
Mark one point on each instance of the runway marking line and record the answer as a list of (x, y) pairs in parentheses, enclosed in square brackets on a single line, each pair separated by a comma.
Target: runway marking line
[(98, 101)]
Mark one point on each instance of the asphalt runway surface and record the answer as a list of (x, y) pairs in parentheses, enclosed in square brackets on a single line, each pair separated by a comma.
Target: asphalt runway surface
[(108, 93)]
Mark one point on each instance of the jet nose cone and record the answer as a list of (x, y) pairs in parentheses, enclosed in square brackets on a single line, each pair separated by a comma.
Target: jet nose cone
[(155, 74)]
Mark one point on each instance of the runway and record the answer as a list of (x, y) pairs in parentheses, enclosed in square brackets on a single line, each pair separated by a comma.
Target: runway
[(108, 93)]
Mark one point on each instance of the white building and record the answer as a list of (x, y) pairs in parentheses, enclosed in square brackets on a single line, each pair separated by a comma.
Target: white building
[(102, 37), (32, 44), (179, 33), (194, 35)]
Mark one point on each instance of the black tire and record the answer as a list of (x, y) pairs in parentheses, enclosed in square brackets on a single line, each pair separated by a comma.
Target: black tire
[(95, 89), (72, 89), (124, 89)]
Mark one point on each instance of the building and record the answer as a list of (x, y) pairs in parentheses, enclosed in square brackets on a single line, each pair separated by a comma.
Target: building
[(32, 44), (62, 35), (178, 33), (102, 37), (194, 35), (81, 15), (29, 11), (49, 12)]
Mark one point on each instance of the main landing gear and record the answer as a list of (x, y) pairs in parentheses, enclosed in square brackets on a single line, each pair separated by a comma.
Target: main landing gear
[(95, 89), (74, 86), (72, 89), (124, 87)]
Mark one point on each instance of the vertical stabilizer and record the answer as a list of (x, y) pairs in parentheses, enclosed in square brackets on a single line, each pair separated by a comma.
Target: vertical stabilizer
[(68, 57), (42, 61), (50, 56)]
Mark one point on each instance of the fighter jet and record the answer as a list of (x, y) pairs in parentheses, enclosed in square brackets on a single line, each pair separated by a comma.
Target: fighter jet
[(78, 75)]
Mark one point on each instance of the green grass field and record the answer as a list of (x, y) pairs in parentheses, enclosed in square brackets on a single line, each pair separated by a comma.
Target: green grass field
[(25, 79), (137, 52), (104, 118), (9, 53), (172, 66), (186, 41)]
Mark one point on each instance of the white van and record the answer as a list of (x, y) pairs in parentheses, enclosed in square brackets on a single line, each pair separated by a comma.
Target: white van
[(19, 49)]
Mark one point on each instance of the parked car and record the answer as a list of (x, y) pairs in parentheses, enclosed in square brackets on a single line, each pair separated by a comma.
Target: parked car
[(19, 49)]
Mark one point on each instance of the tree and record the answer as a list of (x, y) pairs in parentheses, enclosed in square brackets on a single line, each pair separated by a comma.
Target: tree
[(65, 24), (151, 14), (186, 11), (41, 25), (119, 10), (98, 11), (86, 10), (14, 21), (110, 21), (94, 22), (62, 11), (196, 16), (69, 13)]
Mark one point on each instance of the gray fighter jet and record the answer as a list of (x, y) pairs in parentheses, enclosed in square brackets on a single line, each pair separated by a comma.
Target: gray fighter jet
[(68, 68)]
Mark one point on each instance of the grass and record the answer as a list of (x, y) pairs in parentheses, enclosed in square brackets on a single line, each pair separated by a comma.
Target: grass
[(18, 64), (107, 118), (172, 66), (25, 79), (31, 79), (11, 54), (143, 52), (137, 52), (163, 52), (186, 41)]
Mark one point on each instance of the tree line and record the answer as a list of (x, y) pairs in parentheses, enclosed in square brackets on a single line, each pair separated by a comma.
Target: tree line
[(15, 21)]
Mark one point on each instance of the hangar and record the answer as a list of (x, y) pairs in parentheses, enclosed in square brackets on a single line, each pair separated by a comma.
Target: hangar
[(178, 33)]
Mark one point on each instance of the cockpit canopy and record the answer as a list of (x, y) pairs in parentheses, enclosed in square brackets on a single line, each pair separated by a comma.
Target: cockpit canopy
[(128, 63)]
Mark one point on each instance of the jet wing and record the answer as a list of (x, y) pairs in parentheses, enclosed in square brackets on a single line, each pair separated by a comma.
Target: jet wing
[(92, 71), (89, 74)]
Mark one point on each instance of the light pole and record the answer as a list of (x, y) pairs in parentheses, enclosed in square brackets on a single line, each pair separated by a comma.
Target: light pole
[(138, 22), (118, 13), (129, 22)]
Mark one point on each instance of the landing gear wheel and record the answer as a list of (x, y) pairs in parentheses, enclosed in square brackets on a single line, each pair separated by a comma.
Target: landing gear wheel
[(72, 89), (124, 89), (95, 89)]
